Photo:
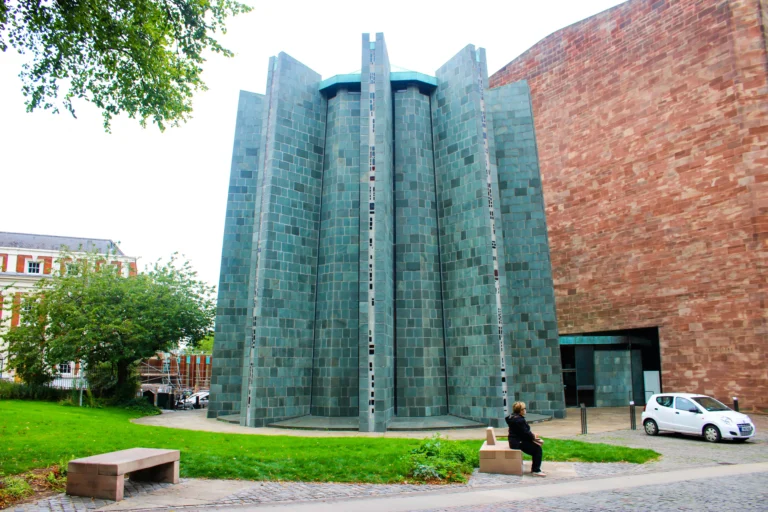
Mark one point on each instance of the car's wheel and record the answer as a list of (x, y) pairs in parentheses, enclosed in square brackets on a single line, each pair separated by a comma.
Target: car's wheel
[(651, 428), (712, 434)]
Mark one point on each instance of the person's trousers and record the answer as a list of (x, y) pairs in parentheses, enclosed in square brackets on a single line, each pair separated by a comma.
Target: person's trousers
[(532, 449)]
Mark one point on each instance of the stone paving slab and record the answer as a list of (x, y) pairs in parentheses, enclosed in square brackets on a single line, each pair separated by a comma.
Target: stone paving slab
[(604, 419), (64, 502), (743, 493)]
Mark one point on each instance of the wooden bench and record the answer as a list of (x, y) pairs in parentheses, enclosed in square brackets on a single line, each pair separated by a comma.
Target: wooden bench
[(499, 458), (103, 476)]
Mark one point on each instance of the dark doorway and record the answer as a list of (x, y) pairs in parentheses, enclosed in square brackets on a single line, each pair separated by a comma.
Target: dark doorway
[(610, 369)]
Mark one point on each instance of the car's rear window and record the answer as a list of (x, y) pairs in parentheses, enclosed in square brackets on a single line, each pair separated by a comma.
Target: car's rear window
[(710, 404), (665, 401)]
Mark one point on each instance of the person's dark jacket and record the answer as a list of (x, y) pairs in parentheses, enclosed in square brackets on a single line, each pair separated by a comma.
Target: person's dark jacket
[(519, 431)]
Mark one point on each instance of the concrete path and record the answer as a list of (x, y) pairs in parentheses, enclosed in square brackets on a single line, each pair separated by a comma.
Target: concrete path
[(605, 419)]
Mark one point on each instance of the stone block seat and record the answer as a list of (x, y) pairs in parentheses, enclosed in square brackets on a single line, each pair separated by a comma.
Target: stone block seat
[(103, 476), (499, 458)]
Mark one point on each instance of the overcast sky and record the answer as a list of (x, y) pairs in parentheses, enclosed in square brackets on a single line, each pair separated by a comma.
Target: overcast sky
[(156, 193)]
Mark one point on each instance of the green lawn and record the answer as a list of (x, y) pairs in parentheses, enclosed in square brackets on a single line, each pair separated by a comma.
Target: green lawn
[(40, 434)]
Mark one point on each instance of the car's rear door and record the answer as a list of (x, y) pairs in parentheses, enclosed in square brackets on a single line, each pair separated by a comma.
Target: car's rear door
[(662, 411)]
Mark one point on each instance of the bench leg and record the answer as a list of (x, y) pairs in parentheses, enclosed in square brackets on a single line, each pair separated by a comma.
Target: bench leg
[(167, 473), (91, 485)]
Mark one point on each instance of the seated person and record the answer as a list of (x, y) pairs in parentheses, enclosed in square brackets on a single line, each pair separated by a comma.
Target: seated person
[(521, 437)]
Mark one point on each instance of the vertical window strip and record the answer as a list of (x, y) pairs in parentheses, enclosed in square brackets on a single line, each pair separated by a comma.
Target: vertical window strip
[(371, 235), (499, 316)]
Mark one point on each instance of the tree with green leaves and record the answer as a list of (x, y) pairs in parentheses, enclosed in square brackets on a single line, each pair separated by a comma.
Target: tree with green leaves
[(139, 57), (204, 347), (26, 342), (94, 315)]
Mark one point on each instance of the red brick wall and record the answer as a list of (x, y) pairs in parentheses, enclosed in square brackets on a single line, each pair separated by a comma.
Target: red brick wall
[(652, 127)]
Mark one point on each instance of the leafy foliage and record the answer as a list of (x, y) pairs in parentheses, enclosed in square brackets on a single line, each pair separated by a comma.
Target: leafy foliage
[(141, 406), (26, 343), (15, 487), (18, 391), (204, 347), (141, 57), (438, 460), (94, 315)]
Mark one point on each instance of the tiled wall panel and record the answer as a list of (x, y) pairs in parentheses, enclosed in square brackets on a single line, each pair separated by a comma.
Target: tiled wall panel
[(335, 373), (420, 351), (471, 328), (234, 310), (285, 258), (534, 349), (613, 377)]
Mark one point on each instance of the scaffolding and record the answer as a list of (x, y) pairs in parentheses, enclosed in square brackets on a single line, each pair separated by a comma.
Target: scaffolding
[(170, 372)]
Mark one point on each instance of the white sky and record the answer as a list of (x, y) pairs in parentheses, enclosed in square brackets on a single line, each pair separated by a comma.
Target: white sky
[(156, 193)]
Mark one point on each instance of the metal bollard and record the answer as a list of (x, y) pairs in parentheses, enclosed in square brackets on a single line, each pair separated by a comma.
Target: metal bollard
[(736, 404), (632, 416), (583, 419)]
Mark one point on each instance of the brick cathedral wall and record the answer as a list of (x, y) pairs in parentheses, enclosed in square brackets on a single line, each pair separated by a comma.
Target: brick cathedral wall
[(652, 130)]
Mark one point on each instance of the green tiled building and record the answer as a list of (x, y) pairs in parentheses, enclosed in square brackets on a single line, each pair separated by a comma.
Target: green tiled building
[(385, 251)]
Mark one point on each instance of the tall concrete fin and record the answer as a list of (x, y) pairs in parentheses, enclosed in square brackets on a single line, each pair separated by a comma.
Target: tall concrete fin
[(376, 377), (278, 367), (534, 344), (234, 310)]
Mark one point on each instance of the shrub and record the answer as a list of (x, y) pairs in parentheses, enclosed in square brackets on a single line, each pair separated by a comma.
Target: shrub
[(437, 460), (15, 487), (17, 391), (139, 405)]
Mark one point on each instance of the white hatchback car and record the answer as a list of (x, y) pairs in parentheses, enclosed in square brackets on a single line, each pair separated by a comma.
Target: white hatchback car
[(689, 413)]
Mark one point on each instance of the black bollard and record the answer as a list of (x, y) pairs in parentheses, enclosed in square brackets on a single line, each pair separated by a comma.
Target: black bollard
[(583, 419), (632, 416), (736, 404)]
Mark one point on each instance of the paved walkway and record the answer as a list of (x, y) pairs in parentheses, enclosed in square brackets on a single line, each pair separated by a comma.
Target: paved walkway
[(738, 471), (599, 420)]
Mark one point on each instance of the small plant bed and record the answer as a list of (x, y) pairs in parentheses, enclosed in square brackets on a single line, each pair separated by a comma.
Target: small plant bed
[(41, 435), (32, 485)]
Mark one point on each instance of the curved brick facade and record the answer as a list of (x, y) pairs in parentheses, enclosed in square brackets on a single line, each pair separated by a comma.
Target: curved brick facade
[(652, 127)]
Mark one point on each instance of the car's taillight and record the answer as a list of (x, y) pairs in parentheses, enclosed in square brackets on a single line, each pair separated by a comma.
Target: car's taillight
[(646, 405)]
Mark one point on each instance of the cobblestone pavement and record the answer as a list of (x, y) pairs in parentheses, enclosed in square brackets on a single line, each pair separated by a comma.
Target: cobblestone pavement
[(66, 503), (275, 492), (744, 493)]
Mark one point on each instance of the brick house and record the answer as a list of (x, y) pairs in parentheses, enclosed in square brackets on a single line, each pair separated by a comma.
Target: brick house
[(27, 258)]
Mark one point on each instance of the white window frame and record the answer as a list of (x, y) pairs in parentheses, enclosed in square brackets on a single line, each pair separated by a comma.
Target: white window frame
[(39, 266), (69, 368)]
